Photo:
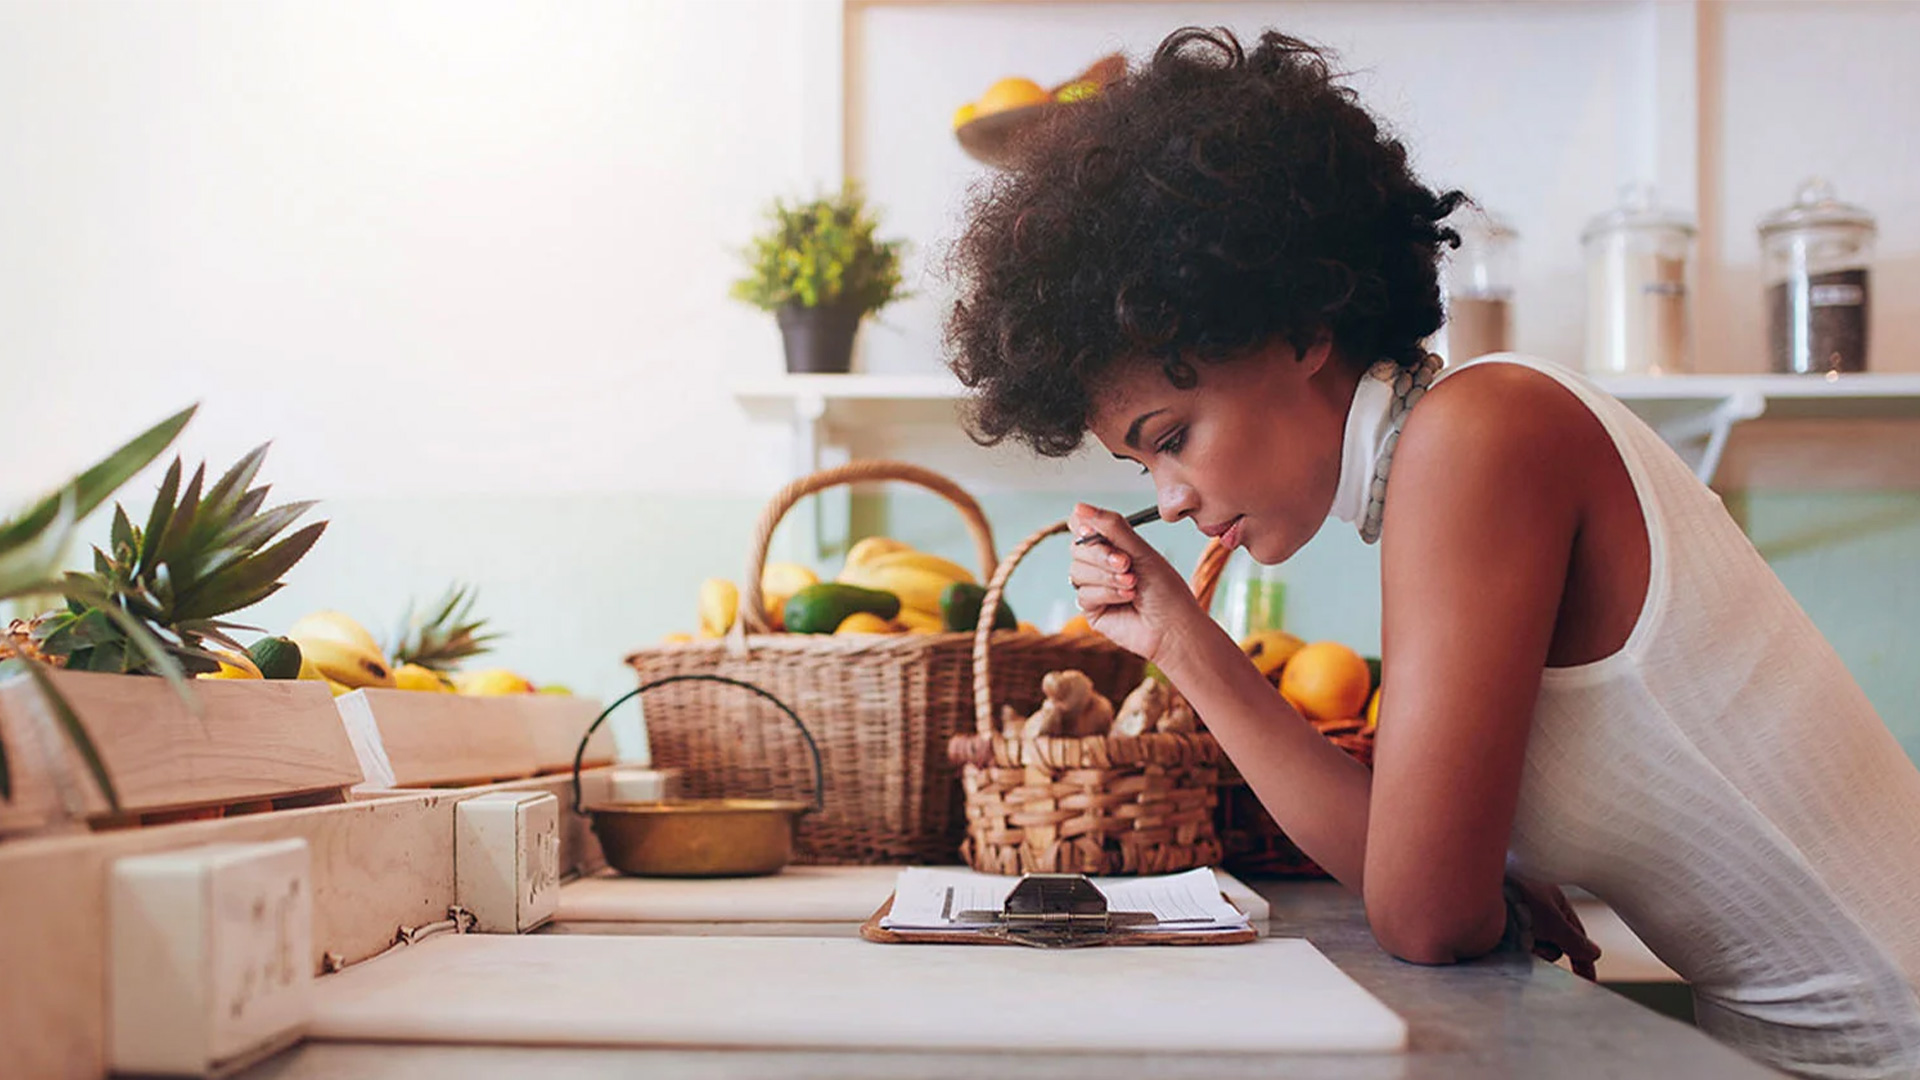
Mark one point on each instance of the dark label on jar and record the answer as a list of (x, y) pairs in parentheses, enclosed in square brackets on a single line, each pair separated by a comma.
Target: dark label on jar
[(1818, 324)]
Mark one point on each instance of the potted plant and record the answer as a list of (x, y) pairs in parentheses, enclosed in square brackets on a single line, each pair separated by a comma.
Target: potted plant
[(818, 268)]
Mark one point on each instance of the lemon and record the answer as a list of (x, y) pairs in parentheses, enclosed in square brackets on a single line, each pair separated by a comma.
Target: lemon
[(415, 677), (1326, 681), (494, 682), (1373, 713), (963, 115)]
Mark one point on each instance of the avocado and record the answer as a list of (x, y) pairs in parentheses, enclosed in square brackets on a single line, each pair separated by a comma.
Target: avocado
[(960, 608), (819, 609), (276, 657)]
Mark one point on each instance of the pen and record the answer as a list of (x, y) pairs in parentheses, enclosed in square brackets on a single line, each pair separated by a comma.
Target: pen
[(1134, 520)]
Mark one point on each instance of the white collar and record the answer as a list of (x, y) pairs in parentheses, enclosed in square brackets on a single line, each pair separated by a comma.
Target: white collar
[(1368, 423)]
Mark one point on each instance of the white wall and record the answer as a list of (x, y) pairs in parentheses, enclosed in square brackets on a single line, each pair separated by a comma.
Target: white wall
[(449, 246), (1541, 110)]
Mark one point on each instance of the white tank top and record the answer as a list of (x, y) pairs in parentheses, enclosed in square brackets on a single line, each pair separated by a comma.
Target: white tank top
[(1724, 785)]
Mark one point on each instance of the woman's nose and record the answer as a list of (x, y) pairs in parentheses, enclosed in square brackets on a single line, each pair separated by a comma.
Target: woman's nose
[(1177, 501)]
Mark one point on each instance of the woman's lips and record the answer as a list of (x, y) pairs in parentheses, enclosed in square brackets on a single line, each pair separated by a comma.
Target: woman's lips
[(1231, 538)]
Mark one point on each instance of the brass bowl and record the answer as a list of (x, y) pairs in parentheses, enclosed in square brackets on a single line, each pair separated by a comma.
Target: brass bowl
[(698, 837)]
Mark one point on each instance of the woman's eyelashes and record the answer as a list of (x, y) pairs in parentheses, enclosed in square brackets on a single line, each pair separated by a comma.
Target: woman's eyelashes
[(1169, 446)]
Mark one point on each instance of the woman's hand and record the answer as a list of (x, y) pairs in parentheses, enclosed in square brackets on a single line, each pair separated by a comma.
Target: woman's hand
[(1128, 591), (1556, 927)]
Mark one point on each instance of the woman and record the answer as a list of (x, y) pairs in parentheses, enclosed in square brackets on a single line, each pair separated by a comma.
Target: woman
[(1223, 270)]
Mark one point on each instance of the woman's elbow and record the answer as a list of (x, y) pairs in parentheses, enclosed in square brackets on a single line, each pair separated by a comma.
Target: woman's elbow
[(1431, 937)]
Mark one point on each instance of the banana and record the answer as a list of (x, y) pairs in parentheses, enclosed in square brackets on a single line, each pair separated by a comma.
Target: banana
[(917, 588), (948, 569), (719, 603), (873, 547), (1271, 649), (334, 626), (348, 665)]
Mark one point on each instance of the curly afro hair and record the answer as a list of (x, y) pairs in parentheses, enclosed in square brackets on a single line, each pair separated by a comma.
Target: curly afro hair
[(1198, 208)]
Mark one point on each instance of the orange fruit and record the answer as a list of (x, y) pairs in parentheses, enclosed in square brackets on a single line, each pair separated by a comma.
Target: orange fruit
[(1010, 93), (1076, 627), (1326, 681)]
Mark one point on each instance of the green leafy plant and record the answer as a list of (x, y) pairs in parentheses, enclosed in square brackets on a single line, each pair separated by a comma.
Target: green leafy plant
[(32, 547), (200, 557), (819, 253)]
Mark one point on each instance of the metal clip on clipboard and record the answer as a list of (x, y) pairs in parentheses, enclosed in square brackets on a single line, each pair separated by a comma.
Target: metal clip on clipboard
[(1056, 911)]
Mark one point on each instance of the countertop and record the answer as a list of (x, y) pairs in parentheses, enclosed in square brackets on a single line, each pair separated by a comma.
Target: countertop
[(1502, 1016)]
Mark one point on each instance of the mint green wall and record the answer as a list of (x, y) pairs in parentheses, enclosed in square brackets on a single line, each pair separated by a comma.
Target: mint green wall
[(578, 581)]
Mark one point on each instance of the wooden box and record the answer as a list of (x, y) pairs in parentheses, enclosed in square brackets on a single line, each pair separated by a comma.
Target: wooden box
[(252, 745), (411, 739)]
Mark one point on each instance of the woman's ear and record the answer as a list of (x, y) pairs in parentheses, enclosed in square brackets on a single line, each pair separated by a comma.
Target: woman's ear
[(1318, 350)]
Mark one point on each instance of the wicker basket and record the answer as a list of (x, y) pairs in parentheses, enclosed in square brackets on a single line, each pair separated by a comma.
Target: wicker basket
[(1095, 804), (881, 707), (1253, 843)]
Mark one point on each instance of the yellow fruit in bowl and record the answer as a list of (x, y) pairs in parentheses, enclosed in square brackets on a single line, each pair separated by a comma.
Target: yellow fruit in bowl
[(1373, 713), (865, 622), (493, 682), (678, 637), (415, 677), (556, 690), (1013, 92), (964, 115), (719, 601), (1326, 681), (778, 582), (1271, 649)]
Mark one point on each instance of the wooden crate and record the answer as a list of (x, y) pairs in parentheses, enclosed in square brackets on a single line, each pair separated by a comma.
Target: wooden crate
[(379, 864), (410, 739), (555, 723), (252, 745)]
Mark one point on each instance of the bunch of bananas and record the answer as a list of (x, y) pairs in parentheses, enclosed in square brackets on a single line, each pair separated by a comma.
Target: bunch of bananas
[(917, 578), (852, 602), (341, 652)]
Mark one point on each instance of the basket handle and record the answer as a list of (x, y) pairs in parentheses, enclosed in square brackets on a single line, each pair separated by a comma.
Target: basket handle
[(1206, 577), (813, 748), (752, 614)]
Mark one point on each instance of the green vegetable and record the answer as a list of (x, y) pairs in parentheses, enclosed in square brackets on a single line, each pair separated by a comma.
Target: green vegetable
[(276, 657), (960, 608), (819, 609)]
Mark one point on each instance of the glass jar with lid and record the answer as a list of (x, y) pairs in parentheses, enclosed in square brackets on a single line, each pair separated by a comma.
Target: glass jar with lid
[(1637, 257), (1480, 275), (1817, 254)]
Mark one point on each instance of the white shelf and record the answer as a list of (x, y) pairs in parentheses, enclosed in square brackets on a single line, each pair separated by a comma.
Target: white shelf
[(1694, 413)]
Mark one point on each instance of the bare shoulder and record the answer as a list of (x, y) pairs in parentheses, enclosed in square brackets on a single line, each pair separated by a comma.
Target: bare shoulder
[(1507, 418)]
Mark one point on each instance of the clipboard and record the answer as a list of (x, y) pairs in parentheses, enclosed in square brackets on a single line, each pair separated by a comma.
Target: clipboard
[(1052, 911)]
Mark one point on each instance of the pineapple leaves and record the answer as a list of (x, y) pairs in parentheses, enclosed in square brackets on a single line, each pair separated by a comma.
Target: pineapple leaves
[(439, 643), (248, 581), (156, 534)]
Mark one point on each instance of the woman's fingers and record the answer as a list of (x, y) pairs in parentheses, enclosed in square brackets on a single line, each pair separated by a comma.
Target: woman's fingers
[(1111, 527)]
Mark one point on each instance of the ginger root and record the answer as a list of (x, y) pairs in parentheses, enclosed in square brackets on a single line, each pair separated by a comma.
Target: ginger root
[(1153, 706), (1073, 708)]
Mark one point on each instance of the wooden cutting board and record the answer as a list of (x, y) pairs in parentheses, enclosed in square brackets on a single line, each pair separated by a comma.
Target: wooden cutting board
[(798, 894), (1278, 995)]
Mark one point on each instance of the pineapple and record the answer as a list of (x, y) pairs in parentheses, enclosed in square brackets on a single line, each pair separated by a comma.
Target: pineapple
[(200, 558), (31, 548), (442, 641)]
